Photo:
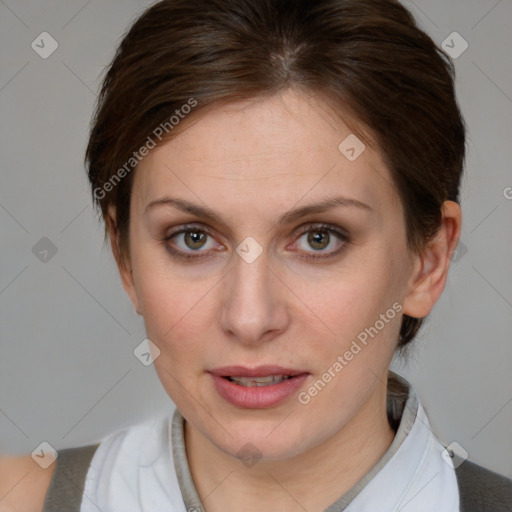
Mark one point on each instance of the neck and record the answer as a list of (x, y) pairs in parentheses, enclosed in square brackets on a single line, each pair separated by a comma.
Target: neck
[(311, 480)]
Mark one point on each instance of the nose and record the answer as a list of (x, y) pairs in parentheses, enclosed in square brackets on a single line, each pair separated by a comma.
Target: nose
[(253, 307)]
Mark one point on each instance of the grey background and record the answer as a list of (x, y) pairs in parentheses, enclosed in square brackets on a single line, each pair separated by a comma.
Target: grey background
[(68, 374)]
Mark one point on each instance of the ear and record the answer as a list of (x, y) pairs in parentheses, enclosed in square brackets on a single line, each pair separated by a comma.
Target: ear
[(431, 265), (123, 262)]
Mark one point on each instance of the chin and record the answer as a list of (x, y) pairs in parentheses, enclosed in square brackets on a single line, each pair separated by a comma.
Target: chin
[(264, 443)]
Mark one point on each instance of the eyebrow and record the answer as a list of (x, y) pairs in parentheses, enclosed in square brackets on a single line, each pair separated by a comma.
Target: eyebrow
[(287, 218)]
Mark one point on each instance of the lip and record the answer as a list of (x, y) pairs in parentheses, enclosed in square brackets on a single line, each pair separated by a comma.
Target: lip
[(257, 397), (258, 371)]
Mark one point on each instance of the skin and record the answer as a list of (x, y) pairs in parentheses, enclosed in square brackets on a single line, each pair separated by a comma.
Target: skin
[(250, 162), (23, 484)]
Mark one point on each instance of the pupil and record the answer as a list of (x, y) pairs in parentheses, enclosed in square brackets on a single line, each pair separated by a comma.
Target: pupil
[(317, 239), (195, 237)]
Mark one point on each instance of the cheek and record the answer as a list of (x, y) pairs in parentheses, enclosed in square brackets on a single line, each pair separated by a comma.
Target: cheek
[(173, 309), (343, 303), (364, 322), (358, 319), (174, 320)]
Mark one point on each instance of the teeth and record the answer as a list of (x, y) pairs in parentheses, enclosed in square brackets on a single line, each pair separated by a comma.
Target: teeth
[(259, 381)]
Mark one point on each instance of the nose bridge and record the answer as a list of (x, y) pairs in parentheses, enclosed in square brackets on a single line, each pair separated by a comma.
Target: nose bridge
[(253, 307)]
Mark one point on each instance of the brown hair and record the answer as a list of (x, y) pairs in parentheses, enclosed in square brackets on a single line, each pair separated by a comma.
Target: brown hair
[(365, 55)]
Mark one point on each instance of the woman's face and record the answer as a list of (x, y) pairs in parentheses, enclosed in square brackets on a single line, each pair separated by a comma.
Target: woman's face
[(247, 265)]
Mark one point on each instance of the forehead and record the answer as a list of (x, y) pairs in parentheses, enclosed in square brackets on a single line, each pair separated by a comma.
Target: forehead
[(283, 149)]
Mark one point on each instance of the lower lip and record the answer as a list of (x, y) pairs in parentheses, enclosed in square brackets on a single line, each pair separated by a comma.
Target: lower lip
[(257, 397)]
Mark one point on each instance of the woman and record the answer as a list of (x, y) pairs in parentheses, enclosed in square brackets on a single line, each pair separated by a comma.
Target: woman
[(279, 182)]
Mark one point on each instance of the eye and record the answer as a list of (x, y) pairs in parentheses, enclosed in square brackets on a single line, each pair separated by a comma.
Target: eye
[(315, 241), (323, 239), (194, 239), (189, 240)]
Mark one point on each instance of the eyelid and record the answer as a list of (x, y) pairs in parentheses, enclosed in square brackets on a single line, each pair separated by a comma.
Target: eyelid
[(322, 226), (184, 228)]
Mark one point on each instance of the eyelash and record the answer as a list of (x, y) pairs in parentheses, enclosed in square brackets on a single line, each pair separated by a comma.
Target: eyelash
[(192, 255)]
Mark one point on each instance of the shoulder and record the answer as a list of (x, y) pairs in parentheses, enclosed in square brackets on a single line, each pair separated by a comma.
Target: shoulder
[(125, 450), (483, 489), (23, 484), (132, 463)]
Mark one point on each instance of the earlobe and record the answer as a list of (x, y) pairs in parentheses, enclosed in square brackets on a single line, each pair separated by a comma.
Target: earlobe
[(124, 266), (430, 268)]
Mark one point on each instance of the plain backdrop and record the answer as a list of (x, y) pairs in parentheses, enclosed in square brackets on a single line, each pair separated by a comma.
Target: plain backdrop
[(68, 374)]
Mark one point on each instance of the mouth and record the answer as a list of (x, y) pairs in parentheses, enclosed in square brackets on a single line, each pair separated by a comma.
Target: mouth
[(264, 374), (260, 387), (250, 382)]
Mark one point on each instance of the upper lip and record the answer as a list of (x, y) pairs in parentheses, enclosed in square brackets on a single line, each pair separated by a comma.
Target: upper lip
[(258, 371)]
